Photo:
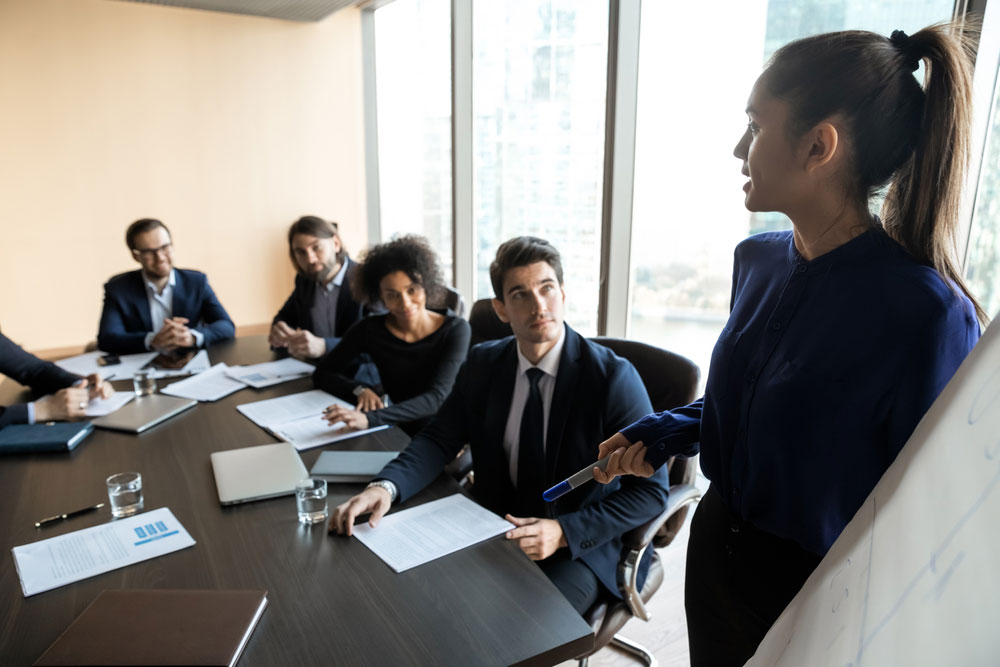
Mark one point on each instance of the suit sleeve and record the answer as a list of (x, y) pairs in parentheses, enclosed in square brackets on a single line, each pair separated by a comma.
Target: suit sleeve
[(335, 372), (112, 335), (435, 446), (214, 323), (43, 377), (438, 386), (636, 500)]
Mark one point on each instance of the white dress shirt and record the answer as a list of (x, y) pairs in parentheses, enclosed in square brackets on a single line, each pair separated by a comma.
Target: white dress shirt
[(161, 307), (549, 364)]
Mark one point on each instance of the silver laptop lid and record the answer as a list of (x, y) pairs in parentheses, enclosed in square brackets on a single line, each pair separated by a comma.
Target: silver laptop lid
[(255, 473), (144, 412)]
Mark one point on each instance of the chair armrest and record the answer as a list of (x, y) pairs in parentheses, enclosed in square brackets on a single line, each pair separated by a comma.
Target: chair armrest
[(680, 496), (635, 542)]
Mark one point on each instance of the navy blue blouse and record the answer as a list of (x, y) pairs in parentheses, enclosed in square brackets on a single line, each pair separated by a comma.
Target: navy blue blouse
[(821, 374)]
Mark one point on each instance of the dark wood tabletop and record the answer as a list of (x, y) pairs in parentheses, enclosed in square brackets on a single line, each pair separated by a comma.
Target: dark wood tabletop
[(331, 600)]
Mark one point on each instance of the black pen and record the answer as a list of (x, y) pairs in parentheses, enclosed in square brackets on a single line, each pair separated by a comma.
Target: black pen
[(68, 515)]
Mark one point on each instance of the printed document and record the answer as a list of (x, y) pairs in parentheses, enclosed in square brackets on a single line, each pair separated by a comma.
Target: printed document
[(427, 532), (298, 419), (99, 407), (57, 561), (211, 385), (86, 364), (270, 373)]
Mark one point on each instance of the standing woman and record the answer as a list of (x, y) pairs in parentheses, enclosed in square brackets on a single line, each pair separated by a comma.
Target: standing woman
[(842, 332), (417, 350)]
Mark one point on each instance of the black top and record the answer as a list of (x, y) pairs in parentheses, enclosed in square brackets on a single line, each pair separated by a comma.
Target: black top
[(417, 376)]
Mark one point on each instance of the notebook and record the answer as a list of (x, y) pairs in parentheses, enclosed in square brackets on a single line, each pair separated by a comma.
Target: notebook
[(256, 473), (144, 412), (350, 466), (159, 627), (48, 437)]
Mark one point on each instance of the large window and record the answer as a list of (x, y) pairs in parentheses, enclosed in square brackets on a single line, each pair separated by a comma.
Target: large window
[(413, 88), (539, 82), (983, 264), (688, 211)]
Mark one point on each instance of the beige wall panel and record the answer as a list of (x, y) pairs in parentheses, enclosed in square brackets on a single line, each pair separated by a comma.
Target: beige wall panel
[(225, 127)]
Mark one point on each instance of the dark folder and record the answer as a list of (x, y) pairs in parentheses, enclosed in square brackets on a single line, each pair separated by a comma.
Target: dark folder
[(160, 627), (49, 437)]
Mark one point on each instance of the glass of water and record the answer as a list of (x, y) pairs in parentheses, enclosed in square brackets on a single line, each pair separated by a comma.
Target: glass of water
[(143, 382), (310, 500), (125, 494)]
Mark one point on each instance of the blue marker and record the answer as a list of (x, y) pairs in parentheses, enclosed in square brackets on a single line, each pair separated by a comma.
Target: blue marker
[(573, 481)]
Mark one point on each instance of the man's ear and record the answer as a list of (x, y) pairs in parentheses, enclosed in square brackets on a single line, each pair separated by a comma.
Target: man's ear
[(823, 145), (501, 310), (135, 255)]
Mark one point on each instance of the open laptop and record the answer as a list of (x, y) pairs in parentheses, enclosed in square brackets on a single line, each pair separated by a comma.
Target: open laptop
[(144, 412), (255, 473)]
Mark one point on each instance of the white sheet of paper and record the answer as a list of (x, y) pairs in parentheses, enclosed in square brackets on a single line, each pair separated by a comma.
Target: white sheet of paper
[(271, 372), (99, 407), (427, 532), (57, 561), (86, 364), (313, 431), (211, 385), (274, 412)]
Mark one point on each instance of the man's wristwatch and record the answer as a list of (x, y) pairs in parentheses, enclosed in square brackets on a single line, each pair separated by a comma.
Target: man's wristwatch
[(359, 390), (388, 486)]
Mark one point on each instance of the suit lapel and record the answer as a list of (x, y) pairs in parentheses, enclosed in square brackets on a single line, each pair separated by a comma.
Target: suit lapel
[(142, 302), (562, 400), (501, 391)]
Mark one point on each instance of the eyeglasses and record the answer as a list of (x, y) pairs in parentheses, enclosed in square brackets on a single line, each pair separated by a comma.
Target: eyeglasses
[(153, 252)]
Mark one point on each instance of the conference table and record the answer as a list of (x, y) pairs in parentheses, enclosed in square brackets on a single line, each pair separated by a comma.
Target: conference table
[(330, 599)]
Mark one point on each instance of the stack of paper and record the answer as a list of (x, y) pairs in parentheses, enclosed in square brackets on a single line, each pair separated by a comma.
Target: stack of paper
[(298, 419), (99, 407), (86, 364), (210, 385), (270, 373)]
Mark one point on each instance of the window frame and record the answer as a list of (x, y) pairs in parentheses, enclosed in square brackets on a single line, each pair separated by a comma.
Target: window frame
[(614, 303)]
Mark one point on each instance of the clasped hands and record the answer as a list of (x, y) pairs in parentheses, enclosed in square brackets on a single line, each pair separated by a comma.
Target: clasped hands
[(174, 335), (537, 538), (354, 419), (301, 344), (71, 402)]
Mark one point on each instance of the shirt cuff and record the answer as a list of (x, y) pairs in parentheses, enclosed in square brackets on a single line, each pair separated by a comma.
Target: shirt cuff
[(31, 412), (199, 338), (148, 340)]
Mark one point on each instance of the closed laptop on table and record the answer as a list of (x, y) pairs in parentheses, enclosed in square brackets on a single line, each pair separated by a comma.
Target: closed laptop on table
[(255, 473), (144, 412)]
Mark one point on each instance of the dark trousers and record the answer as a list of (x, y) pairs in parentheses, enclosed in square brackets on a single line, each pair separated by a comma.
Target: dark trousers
[(738, 581), (575, 581)]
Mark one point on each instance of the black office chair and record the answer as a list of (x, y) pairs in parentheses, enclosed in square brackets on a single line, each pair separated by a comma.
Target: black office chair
[(451, 298), (485, 324), (671, 381)]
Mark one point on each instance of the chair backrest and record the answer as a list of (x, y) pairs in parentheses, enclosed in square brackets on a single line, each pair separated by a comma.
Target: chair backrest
[(485, 324), (452, 299), (671, 381)]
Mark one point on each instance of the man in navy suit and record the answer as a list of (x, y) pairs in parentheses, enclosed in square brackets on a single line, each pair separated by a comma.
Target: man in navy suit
[(321, 307), (530, 406), (68, 393), (159, 307)]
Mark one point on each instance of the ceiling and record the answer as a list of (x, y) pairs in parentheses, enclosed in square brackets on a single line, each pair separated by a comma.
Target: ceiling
[(292, 10)]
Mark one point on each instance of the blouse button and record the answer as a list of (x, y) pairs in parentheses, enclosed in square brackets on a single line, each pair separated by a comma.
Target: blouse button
[(776, 326)]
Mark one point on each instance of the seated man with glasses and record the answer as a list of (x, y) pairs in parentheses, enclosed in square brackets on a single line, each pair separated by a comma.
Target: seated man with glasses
[(159, 307)]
